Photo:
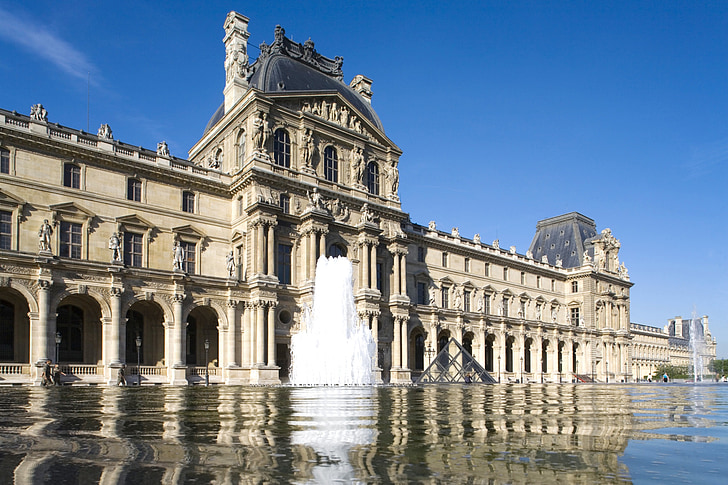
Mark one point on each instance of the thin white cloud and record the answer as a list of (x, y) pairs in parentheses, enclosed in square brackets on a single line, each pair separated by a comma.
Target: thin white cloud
[(44, 44), (707, 158)]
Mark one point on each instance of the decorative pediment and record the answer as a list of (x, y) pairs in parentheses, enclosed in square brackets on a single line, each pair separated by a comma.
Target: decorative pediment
[(188, 230), (237, 235), (508, 293), (555, 302), (134, 220), (445, 280), (574, 303), (541, 299), (489, 289), (72, 209), (468, 285), (9, 200), (524, 296)]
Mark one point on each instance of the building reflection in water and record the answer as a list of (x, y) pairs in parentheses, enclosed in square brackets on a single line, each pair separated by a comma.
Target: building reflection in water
[(443, 433)]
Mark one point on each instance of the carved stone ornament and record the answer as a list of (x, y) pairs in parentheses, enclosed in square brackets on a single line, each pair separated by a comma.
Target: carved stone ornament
[(305, 53), (162, 149), (105, 132), (38, 113)]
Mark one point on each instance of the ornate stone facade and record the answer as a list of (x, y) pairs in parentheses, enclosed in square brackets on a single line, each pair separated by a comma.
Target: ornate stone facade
[(210, 260)]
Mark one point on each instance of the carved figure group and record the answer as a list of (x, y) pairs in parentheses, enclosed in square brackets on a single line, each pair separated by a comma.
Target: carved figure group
[(38, 113), (336, 114), (393, 178), (314, 199), (105, 132), (366, 214), (162, 149), (44, 235)]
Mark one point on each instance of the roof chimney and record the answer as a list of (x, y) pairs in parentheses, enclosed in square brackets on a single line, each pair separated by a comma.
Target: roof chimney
[(362, 85)]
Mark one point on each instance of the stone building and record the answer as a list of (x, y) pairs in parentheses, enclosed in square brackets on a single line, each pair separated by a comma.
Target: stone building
[(112, 253)]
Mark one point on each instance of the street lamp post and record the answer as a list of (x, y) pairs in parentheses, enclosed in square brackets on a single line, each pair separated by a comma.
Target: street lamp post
[(606, 374), (138, 342), (521, 369), (58, 344), (576, 371), (207, 375), (499, 368)]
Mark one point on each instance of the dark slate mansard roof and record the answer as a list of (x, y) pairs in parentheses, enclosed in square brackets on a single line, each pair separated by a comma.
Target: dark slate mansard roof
[(289, 67), (564, 237)]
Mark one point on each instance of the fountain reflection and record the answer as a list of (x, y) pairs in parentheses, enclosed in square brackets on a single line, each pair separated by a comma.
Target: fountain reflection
[(451, 433)]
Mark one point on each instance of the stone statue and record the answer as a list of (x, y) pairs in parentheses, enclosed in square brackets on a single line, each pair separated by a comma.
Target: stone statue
[(260, 131), (455, 232), (162, 149), (545, 259), (476, 238), (432, 226), (314, 199), (538, 312), (38, 113), (115, 246), (554, 314), (344, 118), (105, 132), (433, 294), (529, 254), (559, 263), (178, 256), (44, 235), (324, 110), (623, 271), (496, 244), (393, 177), (458, 299), (230, 262), (512, 250), (481, 304), (587, 259), (366, 214), (307, 147), (357, 165)]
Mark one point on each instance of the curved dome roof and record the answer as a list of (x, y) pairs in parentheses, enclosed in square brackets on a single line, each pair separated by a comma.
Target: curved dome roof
[(278, 73)]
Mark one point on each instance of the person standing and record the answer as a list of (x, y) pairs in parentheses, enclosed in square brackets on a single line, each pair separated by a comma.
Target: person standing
[(57, 373), (46, 376), (121, 376)]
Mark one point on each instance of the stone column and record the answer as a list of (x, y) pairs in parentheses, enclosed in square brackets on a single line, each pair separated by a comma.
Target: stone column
[(112, 340), (260, 333), (405, 343), (397, 344), (230, 357), (322, 244), (41, 346), (271, 250), (312, 255), (364, 265), (403, 275), (374, 325), (373, 273), (260, 249), (271, 334), (179, 352), (245, 340), (396, 276)]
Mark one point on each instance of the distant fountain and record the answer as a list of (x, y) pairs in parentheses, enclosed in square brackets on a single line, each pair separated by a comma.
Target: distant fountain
[(332, 348), (697, 347)]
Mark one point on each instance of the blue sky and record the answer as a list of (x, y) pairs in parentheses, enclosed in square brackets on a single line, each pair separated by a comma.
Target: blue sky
[(507, 112)]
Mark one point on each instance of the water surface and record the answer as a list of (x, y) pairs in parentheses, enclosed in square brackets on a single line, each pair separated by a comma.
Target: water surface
[(521, 433)]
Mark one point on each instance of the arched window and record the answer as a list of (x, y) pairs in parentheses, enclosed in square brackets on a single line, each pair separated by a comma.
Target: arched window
[(282, 148), (69, 323), (331, 164), (373, 178), (337, 250), (134, 329), (241, 149)]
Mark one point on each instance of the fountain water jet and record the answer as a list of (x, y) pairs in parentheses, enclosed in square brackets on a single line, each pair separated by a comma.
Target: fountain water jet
[(332, 348)]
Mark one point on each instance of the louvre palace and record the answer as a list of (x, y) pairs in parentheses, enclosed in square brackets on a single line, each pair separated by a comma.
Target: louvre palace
[(112, 254)]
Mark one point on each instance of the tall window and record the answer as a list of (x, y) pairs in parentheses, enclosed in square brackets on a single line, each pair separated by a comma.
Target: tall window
[(241, 149), (420, 254), (445, 296), (466, 301), (373, 178), (336, 250), (505, 274), (4, 160), (553, 285), (380, 272), (133, 249), (444, 260), (466, 265), (70, 240), (282, 148), (575, 287), (523, 277), (284, 263), (487, 269), (71, 176), (188, 201), (190, 254), (331, 164), (575, 316), (422, 297), (505, 306), (134, 190), (285, 203), (6, 229), (486, 304), (538, 282)]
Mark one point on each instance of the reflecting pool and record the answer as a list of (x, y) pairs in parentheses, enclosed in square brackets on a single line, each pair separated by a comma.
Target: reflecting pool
[(510, 433)]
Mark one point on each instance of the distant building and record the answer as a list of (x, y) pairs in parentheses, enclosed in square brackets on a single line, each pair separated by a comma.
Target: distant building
[(112, 253)]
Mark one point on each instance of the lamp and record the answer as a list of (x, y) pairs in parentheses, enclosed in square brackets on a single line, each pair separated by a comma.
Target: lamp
[(138, 342), (207, 375), (58, 344)]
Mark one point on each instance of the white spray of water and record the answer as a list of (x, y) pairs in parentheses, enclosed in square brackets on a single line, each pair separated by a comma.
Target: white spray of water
[(697, 347), (333, 348)]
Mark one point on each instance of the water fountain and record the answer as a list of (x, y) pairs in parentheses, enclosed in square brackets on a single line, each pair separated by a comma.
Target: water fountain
[(333, 347), (697, 346)]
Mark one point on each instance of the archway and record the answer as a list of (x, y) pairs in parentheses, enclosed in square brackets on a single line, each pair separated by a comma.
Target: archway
[(527, 347), (509, 353), (419, 351), (201, 328), (145, 320), (14, 327), (78, 322), (544, 357), (489, 340)]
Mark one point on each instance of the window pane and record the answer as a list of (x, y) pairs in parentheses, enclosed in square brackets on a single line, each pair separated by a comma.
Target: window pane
[(71, 176), (284, 263), (6, 229), (4, 161), (373, 178), (134, 190), (331, 165), (282, 148), (132, 249), (190, 254), (70, 240), (188, 202)]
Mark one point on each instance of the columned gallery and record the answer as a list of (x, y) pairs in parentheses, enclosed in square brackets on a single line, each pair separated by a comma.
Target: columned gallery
[(113, 254)]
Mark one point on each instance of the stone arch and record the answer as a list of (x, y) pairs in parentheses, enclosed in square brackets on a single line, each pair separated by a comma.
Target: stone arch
[(30, 297), (79, 321), (204, 320), (417, 339), (162, 303), (146, 319), (14, 325)]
